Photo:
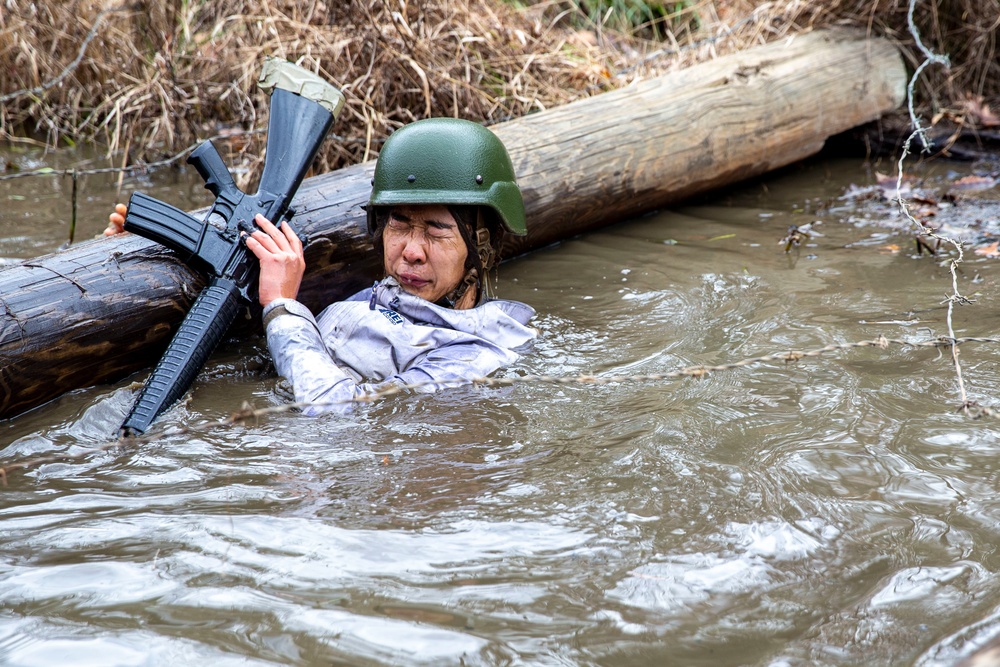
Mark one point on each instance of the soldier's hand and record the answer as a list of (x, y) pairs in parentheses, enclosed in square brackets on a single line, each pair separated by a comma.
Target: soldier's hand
[(116, 221)]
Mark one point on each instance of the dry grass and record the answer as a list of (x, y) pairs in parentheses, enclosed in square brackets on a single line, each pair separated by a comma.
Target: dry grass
[(157, 75)]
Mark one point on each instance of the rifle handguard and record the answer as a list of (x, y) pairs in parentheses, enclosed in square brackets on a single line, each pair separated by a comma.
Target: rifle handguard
[(199, 334)]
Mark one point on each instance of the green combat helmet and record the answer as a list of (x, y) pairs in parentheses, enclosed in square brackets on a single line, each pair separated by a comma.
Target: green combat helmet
[(447, 161)]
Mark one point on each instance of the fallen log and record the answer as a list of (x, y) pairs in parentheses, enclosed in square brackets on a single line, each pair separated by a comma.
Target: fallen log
[(107, 308)]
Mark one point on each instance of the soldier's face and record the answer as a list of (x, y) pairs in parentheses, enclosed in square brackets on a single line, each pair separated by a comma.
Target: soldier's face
[(424, 250)]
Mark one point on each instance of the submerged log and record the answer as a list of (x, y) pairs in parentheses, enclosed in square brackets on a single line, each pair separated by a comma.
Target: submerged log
[(107, 308)]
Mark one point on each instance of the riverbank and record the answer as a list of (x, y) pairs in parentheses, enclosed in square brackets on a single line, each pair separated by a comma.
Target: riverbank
[(149, 79)]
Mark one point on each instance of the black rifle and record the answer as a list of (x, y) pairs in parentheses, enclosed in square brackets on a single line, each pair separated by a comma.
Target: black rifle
[(303, 108)]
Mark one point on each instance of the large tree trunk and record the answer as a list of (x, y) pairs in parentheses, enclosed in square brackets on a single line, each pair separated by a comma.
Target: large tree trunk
[(106, 308)]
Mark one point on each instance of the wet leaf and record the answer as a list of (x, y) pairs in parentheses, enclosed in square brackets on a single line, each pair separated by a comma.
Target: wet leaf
[(980, 113), (974, 183), (724, 236), (990, 250), (856, 193), (891, 249), (888, 185)]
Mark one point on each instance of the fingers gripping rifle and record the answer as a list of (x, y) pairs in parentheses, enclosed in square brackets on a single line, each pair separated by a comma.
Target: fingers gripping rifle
[(303, 108)]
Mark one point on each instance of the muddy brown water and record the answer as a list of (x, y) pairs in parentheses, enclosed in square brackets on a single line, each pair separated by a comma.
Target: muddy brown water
[(835, 511)]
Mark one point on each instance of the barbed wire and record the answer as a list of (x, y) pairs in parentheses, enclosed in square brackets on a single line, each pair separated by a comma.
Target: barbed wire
[(140, 167), (248, 413), (956, 297), (146, 167), (930, 58)]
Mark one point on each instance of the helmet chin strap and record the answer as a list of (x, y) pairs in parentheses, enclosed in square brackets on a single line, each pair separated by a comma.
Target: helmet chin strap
[(483, 246), (471, 280), (485, 254)]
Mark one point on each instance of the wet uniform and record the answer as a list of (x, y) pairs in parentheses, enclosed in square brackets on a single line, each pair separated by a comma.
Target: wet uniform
[(383, 336)]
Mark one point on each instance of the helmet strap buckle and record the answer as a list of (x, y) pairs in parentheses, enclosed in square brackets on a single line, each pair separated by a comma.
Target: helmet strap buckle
[(484, 248)]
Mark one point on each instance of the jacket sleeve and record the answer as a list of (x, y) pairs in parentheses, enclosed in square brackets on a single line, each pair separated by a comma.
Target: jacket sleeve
[(301, 356)]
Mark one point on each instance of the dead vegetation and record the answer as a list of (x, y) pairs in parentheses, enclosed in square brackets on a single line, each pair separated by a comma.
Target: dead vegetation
[(147, 78)]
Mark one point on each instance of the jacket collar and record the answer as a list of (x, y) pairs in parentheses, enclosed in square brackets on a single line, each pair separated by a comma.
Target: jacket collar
[(497, 318)]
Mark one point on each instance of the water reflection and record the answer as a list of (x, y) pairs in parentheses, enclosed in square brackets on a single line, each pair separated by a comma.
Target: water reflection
[(834, 511)]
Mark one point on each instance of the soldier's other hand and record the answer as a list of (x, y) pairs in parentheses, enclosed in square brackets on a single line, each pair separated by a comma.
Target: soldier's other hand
[(116, 221)]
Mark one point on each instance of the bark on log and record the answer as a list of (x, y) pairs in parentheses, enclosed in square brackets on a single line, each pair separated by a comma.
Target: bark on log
[(106, 308)]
